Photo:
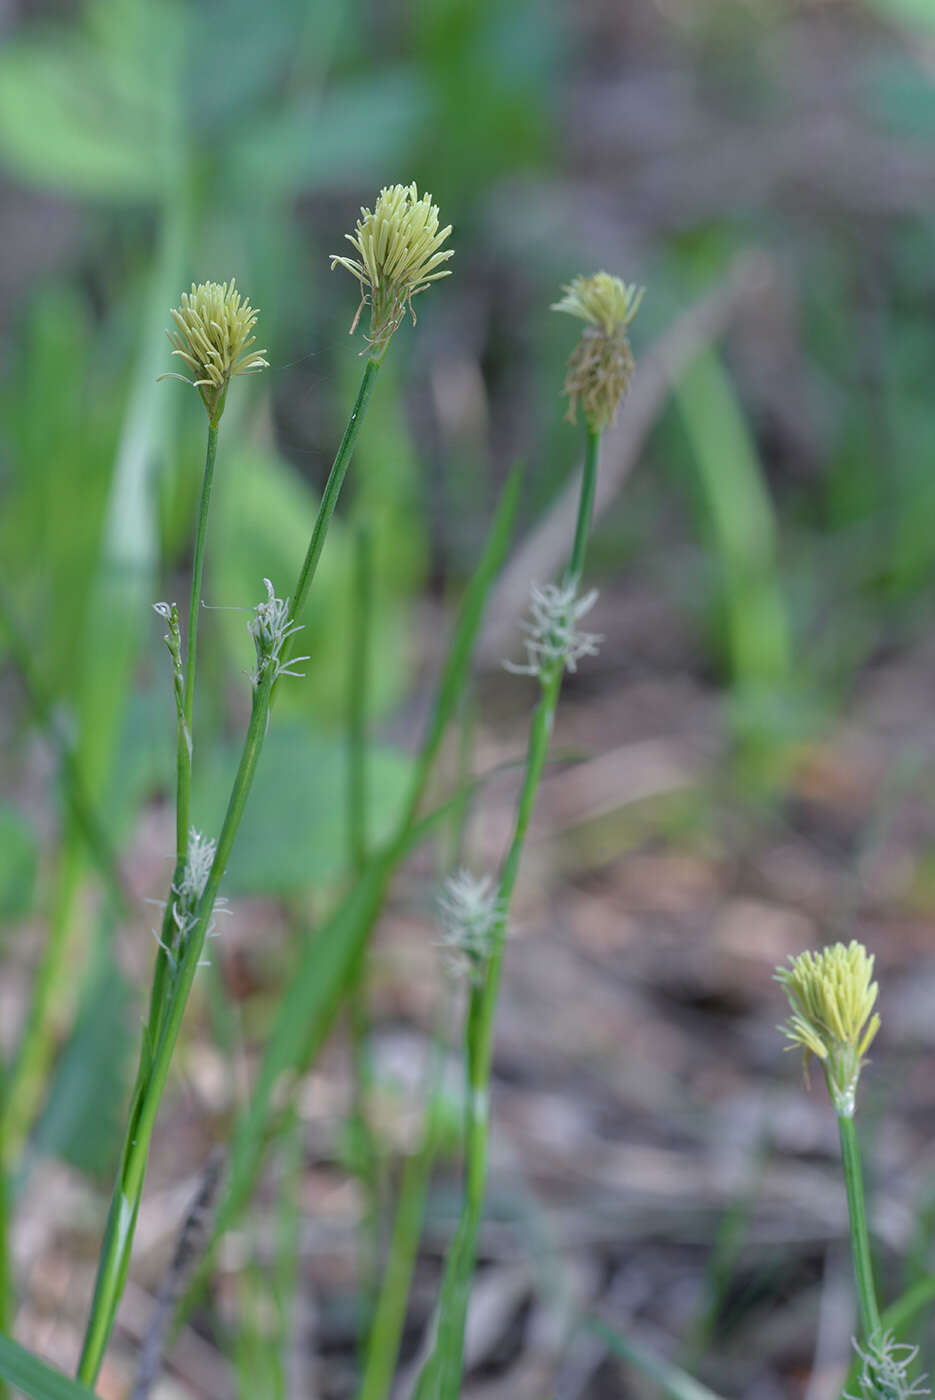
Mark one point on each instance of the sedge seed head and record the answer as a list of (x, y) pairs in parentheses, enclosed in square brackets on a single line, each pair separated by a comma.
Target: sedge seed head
[(213, 337), (399, 253), (601, 365), (832, 996)]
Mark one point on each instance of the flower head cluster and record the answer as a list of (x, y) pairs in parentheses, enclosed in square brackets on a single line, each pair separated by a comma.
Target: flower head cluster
[(399, 252), (470, 919), (884, 1371), (832, 999), (552, 635), (601, 364), (212, 335), (271, 627)]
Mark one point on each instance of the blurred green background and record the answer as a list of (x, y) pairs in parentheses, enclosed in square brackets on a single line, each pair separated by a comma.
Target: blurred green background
[(780, 519)]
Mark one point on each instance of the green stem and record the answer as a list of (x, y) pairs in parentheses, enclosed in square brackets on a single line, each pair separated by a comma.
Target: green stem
[(390, 1313), (333, 487), (6, 1272), (860, 1239), (365, 1145), (184, 734), (185, 740), (157, 1056), (592, 447), (440, 1377)]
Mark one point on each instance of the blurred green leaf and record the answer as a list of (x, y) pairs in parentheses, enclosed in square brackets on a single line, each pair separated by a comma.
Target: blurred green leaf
[(82, 1119), (918, 12), (670, 1379), (34, 1378), (351, 135), (293, 836), (80, 105), (18, 859), (262, 519)]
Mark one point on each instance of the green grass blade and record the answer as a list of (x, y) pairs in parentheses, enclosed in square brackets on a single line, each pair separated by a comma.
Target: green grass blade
[(34, 1378), (672, 1381), (319, 984), (744, 532)]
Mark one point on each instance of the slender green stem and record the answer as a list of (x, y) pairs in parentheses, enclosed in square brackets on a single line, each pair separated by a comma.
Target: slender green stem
[(592, 447), (6, 1272), (157, 1053), (184, 734), (365, 1146), (390, 1313), (358, 688), (185, 738), (860, 1239), (333, 487), (440, 1377)]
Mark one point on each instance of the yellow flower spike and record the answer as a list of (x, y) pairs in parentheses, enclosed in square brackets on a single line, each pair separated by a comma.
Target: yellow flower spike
[(601, 364), (399, 248), (832, 996), (212, 335)]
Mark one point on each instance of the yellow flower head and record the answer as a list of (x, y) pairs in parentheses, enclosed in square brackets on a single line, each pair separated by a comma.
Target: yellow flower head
[(213, 337), (832, 999), (399, 247), (601, 364)]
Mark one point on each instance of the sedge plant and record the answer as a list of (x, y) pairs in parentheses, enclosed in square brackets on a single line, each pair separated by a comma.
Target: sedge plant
[(401, 253), (475, 910), (832, 998)]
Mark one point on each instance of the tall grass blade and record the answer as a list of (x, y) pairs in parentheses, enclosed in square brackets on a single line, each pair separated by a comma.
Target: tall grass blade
[(672, 1381), (34, 1378), (319, 984)]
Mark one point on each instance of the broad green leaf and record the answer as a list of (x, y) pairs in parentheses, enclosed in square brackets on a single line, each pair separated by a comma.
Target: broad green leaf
[(355, 132), (81, 1122), (293, 834), (262, 518), (79, 104), (34, 1378)]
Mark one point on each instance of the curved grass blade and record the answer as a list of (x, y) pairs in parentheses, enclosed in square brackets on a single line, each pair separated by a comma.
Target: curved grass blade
[(34, 1378)]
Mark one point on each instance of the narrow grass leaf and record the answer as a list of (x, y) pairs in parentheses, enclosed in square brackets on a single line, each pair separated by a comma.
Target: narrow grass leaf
[(34, 1378), (672, 1381)]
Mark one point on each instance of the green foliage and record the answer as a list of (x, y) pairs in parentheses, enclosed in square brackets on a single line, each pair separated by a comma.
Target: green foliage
[(18, 860), (81, 1120), (34, 1378), (672, 1381), (293, 833)]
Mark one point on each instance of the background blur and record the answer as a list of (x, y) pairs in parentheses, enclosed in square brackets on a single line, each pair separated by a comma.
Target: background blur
[(754, 743)]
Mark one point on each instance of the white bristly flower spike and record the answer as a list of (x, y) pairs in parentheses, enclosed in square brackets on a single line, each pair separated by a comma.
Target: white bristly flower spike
[(187, 896), (832, 998), (213, 337), (469, 915), (884, 1371), (553, 638), (399, 254), (270, 628)]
